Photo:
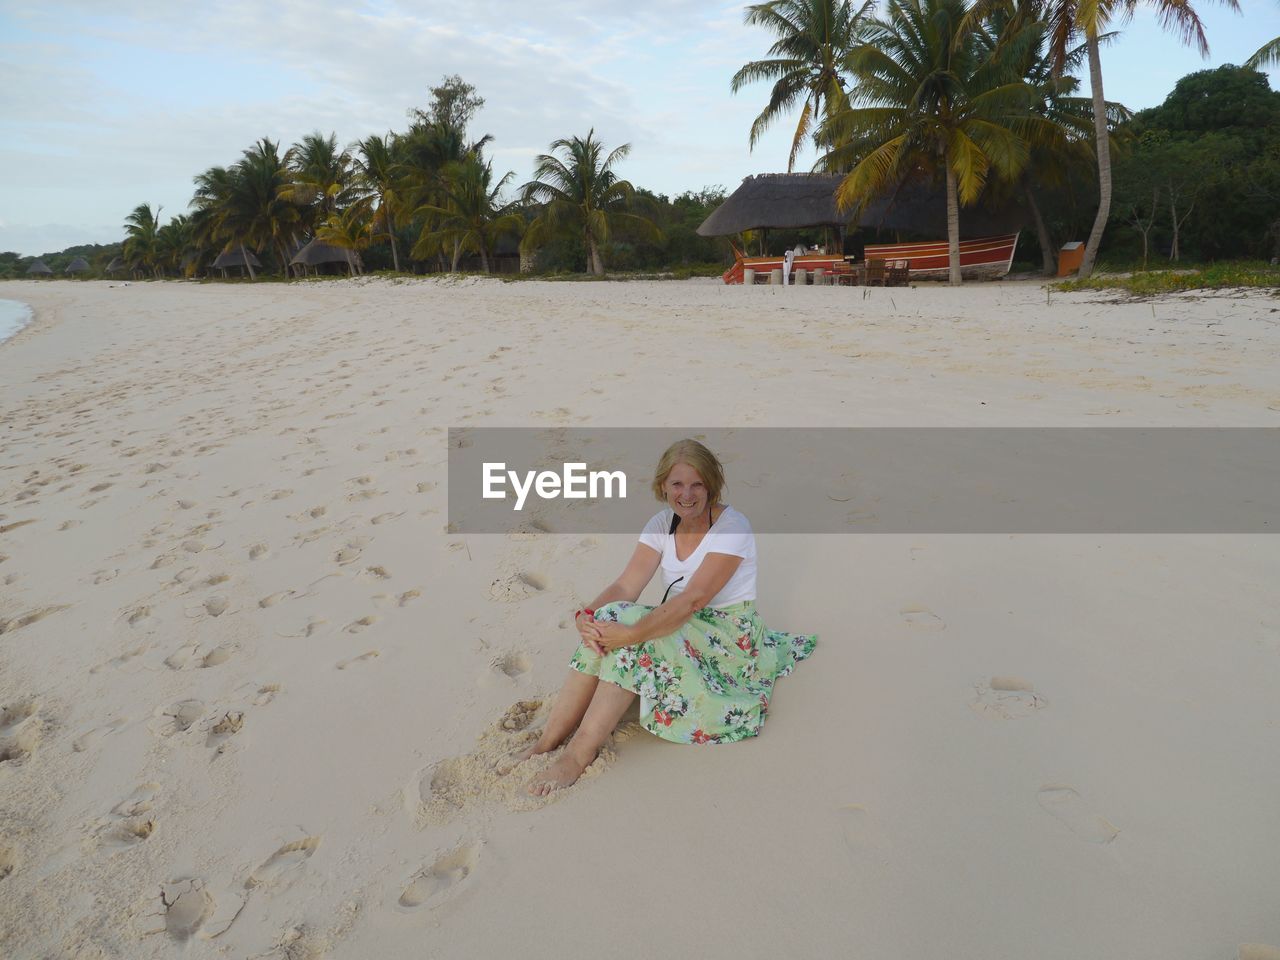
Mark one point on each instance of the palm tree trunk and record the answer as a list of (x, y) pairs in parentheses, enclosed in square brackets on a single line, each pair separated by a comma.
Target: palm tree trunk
[(953, 223), (484, 258), (1047, 247), (245, 257), (594, 263), (391, 232), (457, 255), (1102, 142)]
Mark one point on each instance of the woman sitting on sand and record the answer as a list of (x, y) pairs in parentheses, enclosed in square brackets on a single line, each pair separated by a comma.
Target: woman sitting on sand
[(702, 662)]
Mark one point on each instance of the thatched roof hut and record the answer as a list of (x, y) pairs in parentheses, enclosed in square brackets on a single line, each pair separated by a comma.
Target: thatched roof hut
[(117, 263), (236, 258), (317, 252), (78, 265), (39, 268), (792, 201)]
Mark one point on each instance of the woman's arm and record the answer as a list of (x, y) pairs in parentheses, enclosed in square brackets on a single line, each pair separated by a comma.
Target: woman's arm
[(639, 571), (708, 580)]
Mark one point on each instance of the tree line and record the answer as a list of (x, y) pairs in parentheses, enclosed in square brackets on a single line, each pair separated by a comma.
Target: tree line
[(979, 97)]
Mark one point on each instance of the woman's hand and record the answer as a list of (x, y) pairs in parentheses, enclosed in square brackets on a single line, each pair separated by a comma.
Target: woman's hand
[(614, 636), (590, 635)]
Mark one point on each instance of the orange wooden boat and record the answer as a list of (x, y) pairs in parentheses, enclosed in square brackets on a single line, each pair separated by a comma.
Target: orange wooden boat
[(983, 258)]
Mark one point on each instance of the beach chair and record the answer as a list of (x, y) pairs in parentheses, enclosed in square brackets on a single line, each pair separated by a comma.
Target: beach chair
[(898, 273), (844, 273), (874, 272)]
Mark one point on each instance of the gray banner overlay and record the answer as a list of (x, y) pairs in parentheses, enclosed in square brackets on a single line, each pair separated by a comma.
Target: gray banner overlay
[(881, 480)]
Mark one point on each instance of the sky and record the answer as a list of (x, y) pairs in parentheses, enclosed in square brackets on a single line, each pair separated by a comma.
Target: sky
[(106, 106)]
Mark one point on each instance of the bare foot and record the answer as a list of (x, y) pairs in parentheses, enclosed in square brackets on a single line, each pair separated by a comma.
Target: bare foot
[(516, 757), (563, 773)]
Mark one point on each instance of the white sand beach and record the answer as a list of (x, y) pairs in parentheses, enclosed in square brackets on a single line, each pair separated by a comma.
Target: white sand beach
[(252, 689)]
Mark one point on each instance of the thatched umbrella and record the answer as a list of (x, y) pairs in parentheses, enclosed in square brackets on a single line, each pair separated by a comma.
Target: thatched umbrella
[(39, 268), (78, 265), (117, 263), (317, 252), (239, 257), (792, 201)]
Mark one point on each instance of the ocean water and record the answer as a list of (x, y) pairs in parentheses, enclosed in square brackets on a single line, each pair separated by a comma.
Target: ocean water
[(13, 317)]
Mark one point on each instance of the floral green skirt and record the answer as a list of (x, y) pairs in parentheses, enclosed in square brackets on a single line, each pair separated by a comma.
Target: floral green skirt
[(710, 681)]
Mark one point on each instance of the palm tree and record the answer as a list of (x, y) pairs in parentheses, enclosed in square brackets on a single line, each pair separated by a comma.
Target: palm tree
[(1060, 145), (319, 176), (378, 174), (1067, 18), (582, 194), (932, 94), (472, 216), (813, 38), (141, 245), (174, 241), (350, 228), (258, 213)]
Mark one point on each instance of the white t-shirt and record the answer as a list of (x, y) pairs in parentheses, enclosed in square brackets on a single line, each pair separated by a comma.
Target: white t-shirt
[(731, 534)]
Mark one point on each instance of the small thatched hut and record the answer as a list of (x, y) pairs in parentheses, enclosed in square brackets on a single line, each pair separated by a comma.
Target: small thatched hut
[(236, 258), (316, 253), (794, 201), (117, 264), (39, 268), (78, 265)]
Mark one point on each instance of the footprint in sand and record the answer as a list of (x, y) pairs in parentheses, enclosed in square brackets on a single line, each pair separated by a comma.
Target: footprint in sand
[(1068, 806), (138, 616), (433, 884), (517, 587), (227, 726), (187, 905), (28, 618), (8, 861), (373, 574), (258, 551), (127, 833), (385, 517), (1007, 698), (116, 662), (179, 659), (359, 626), (258, 695), (87, 739), (21, 730), (139, 802), (370, 655), (408, 597), (176, 717), (214, 606), (288, 857), (218, 655), (513, 665), (921, 619), (273, 599), (348, 554)]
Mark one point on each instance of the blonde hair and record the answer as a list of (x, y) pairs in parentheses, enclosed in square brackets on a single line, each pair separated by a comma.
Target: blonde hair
[(695, 455)]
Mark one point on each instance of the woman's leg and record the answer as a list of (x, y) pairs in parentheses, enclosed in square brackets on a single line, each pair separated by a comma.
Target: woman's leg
[(566, 713), (607, 706)]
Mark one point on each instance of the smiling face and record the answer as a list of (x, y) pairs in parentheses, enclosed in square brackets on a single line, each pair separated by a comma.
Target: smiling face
[(686, 492)]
